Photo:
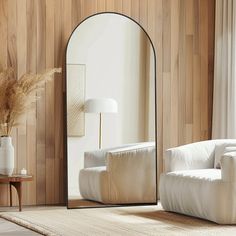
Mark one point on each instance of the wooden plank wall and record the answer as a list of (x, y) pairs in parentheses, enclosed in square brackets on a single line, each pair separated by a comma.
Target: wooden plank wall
[(33, 36)]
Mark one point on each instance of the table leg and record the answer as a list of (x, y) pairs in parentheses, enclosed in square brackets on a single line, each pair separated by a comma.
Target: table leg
[(17, 186), (10, 194)]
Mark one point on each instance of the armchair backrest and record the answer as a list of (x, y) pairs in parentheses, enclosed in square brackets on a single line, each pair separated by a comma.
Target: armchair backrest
[(98, 157), (199, 155)]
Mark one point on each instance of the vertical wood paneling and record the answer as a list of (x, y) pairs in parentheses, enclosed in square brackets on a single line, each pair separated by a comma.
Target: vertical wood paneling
[(89, 7), (151, 19), (166, 69), (182, 75), (110, 5), (67, 29), (58, 98), (158, 39), (21, 69), (166, 109), (196, 76), (196, 98), (33, 36), (126, 7), (101, 5), (3, 35), (50, 115), (189, 17), (189, 90), (12, 62), (135, 7), (76, 12), (174, 70), (203, 32), (11, 34), (143, 13), (3, 63), (118, 6), (211, 48), (40, 110), (31, 116)]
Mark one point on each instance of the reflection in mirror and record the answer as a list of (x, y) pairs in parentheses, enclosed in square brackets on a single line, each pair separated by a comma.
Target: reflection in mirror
[(110, 87)]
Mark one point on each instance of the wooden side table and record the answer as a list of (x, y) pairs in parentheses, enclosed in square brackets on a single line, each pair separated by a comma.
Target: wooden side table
[(16, 181)]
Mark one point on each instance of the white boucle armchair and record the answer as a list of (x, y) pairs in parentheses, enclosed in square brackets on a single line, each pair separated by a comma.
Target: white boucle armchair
[(192, 185), (121, 175)]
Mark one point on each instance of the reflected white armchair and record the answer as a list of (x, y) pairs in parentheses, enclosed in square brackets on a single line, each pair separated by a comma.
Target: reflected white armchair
[(120, 175)]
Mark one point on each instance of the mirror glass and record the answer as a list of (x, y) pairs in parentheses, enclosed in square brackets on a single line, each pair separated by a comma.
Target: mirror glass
[(110, 100)]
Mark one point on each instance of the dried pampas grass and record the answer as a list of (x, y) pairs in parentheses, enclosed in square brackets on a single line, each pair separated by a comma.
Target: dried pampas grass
[(17, 96)]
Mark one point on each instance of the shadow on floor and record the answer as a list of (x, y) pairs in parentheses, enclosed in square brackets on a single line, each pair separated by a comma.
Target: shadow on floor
[(174, 219)]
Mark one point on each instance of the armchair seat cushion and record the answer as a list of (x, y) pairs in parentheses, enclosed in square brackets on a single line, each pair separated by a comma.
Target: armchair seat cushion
[(200, 193)]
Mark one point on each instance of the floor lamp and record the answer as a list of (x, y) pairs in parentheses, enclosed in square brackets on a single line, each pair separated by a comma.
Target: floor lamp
[(100, 106)]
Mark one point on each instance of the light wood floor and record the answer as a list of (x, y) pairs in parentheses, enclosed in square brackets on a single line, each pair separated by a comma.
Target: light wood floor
[(10, 229)]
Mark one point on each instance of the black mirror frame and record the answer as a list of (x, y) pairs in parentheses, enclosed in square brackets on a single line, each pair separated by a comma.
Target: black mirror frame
[(65, 116)]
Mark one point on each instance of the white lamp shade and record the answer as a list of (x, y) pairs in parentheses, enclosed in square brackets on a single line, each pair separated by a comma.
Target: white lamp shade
[(101, 105)]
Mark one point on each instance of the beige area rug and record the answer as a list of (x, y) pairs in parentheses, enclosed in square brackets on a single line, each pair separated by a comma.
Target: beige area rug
[(137, 221)]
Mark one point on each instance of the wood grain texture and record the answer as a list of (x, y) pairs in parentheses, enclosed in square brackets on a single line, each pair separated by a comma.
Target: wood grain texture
[(3, 63), (21, 69), (33, 36), (49, 96), (31, 116), (40, 106)]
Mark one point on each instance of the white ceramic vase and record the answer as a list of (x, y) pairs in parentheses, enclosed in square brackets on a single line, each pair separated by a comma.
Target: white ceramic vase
[(6, 156)]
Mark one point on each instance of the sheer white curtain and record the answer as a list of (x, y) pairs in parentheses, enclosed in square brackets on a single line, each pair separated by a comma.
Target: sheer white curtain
[(224, 96)]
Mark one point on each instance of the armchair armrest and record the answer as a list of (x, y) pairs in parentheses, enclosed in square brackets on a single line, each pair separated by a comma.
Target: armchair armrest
[(198, 155), (228, 167), (132, 174)]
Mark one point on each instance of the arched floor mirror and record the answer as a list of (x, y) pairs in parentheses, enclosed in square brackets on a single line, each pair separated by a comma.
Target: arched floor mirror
[(111, 117)]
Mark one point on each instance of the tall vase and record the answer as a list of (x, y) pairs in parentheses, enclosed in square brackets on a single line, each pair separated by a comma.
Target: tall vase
[(6, 156)]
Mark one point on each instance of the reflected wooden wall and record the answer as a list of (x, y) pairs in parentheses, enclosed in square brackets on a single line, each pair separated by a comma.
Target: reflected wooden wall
[(33, 36)]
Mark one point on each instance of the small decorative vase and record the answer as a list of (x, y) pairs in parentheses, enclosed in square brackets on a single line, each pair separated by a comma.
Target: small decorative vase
[(6, 156)]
